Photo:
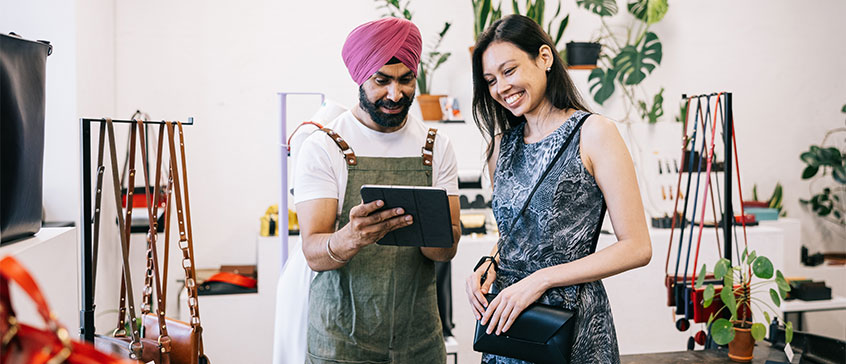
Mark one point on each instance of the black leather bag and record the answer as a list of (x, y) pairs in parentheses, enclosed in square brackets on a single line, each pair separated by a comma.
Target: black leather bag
[(23, 65), (541, 333)]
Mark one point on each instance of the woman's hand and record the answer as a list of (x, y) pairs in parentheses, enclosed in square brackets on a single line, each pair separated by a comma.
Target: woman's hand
[(476, 290), (510, 302)]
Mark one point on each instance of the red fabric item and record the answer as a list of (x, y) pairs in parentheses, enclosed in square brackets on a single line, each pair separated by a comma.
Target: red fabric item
[(233, 278)]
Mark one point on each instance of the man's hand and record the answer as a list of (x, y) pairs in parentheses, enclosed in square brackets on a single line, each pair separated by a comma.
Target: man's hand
[(367, 226)]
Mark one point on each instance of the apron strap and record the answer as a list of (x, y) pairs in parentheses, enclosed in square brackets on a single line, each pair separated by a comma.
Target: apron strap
[(429, 147), (349, 155)]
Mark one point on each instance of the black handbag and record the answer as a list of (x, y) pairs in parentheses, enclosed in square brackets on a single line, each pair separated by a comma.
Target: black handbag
[(541, 333), (23, 65)]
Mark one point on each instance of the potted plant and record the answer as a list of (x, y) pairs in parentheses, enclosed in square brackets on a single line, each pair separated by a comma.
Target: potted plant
[(740, 330), (828, 196), (431, 60), (629, 57)]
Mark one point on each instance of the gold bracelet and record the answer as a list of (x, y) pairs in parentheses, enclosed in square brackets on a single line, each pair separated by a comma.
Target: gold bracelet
[(332, 255)]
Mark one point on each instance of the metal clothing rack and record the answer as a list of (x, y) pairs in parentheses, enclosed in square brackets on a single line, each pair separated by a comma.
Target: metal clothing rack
[(728, 214), (86, 313), (283, 159)]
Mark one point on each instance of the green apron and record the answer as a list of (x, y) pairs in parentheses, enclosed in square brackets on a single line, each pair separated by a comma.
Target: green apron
[(381, 307)]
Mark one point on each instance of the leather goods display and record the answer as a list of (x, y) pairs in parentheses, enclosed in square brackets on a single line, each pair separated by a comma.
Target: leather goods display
[(24, 344), (164, 340), (23, 65), (541, 333)]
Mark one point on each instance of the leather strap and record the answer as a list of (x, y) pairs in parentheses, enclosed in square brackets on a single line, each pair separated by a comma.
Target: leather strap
[(127, 229), (349, 155), (183, 215), (152, 258), (135, 343), (288, 143), (429, 147), (98, 198)]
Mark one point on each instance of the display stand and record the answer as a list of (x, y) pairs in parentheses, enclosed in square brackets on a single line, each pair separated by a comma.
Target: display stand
[(283, 159), (86, 314)]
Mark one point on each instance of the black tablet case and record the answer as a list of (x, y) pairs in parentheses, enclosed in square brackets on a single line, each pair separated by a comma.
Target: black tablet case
[(428, 207)]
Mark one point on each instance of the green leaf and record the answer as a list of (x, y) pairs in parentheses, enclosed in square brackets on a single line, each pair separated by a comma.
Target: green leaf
[(767, 317), (648, 11), (701, 277), (709, 295), (599, 7), (758, 331), (602, 84), (722, 331), (762, 268), (831, 156), (809, 158), (788, 332), (633, 64), (774, 297), (839, 174), (751, 258), (721, 268), (843, 110), (781, 282), (809, 171), (656, 111), (727, 295)]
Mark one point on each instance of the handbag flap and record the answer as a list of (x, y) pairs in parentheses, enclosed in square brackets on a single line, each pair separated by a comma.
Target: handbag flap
[(538, 322)]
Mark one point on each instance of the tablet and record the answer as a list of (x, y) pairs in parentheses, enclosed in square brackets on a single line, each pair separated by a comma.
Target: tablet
[(428, 207)]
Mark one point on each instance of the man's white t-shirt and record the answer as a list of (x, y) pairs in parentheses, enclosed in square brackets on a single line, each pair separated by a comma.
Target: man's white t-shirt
[(321, 171)]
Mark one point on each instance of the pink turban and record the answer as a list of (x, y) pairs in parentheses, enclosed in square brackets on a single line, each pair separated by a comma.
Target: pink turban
[(371, 45)]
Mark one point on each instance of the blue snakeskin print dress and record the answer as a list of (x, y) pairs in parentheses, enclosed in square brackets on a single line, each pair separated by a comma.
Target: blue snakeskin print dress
[(557, 227)]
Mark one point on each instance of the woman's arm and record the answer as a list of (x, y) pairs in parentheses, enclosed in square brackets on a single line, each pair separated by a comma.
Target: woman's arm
[(606, 157)]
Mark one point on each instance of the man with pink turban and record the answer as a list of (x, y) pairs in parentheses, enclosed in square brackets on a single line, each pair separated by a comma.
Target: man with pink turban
[(372, 303)]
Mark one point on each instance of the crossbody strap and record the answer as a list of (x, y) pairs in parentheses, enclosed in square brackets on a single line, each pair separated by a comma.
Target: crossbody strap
[(135, 343), (540, 180)]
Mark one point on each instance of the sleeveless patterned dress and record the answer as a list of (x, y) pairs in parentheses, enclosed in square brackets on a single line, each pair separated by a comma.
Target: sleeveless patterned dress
[(557, 227)]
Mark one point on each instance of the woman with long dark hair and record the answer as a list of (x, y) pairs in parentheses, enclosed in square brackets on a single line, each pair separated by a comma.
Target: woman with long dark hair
[(526, 104)]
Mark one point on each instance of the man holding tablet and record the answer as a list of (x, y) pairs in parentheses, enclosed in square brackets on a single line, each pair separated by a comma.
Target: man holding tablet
[(372, 302)]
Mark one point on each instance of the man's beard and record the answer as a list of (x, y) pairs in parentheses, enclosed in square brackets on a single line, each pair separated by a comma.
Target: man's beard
[(381, 118)]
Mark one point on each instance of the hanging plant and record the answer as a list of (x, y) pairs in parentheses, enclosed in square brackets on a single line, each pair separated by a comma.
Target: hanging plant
[(625, 63), (829, 202)]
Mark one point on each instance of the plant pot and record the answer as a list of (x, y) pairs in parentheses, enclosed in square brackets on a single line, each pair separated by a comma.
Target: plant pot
[(471, 48), (742, 346), (582, 55), (430, 107)]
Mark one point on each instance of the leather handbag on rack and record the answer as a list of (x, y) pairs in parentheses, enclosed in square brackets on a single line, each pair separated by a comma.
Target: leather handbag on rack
[(23, 65), (541, 333), (165, 340), (24, 344)]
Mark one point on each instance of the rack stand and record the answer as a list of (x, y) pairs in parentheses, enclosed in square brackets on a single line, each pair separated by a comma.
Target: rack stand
[(86, 314)]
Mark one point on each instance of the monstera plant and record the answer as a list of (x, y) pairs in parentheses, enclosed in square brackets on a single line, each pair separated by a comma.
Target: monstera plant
[(628, 58)]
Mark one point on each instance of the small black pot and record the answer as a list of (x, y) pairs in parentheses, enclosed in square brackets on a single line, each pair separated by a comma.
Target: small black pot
[(582, 53)]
